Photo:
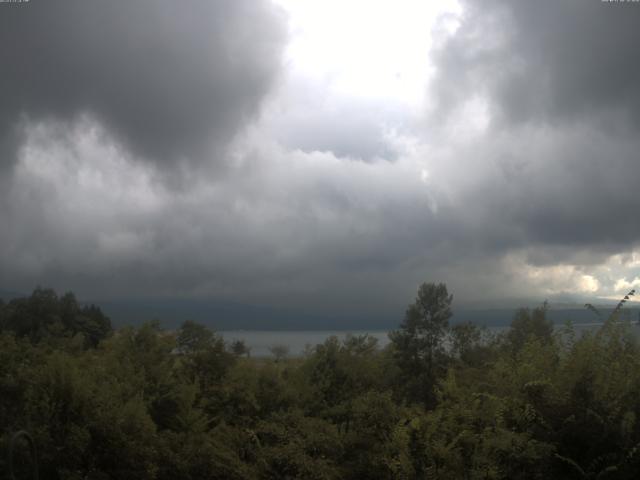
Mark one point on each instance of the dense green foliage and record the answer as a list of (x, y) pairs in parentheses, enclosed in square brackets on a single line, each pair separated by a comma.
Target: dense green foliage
[(438, 402)]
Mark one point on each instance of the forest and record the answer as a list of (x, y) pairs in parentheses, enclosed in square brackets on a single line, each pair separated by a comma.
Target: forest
[(440, 401)]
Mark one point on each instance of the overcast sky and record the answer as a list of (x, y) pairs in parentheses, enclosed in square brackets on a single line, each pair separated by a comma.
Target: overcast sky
[(330, 155)]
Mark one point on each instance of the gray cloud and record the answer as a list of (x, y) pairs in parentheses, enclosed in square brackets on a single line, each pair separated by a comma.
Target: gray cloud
[(545, 61), (286, 227), (531, 195), (556, 166), (165, 77)]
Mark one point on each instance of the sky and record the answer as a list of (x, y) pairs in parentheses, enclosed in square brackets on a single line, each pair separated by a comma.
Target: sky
[(327, 156)]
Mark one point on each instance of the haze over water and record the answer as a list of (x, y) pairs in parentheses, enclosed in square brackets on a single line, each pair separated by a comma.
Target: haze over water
[(299, 341)]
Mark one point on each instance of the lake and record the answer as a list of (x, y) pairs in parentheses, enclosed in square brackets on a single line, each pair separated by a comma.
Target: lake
[(259, 341)]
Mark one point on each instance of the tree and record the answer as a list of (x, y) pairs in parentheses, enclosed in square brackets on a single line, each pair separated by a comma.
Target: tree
[(418, 342), (467, 343), (35, 317), (205, 356), (45, 316), (2, 315), (93, 324), (240, 348), (194, 337), (280, 352), (528, 325)]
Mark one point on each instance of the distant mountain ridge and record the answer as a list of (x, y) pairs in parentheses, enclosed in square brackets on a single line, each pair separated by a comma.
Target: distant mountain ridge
[(225, 315), (7, 295), (235, 316)]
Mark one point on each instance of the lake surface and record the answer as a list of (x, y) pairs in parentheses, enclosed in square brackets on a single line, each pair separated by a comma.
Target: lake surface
[(260, 341)]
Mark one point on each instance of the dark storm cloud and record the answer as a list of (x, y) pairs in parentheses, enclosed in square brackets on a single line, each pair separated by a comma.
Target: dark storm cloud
[(560, 80), (545, 60), (577, 188), (166, 77)]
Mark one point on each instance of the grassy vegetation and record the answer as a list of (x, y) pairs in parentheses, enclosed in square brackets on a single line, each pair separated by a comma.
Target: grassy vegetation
[(143, 403)]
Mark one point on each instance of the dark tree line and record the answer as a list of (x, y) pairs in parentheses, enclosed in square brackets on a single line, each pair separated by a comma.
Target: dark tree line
[(44, 315), (439, 401)]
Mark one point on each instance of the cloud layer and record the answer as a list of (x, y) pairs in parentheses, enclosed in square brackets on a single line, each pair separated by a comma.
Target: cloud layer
[(558, 86), (515, 180), (164, 79)]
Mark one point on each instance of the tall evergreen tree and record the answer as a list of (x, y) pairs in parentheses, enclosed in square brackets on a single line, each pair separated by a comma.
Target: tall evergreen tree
[(418, 344)]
